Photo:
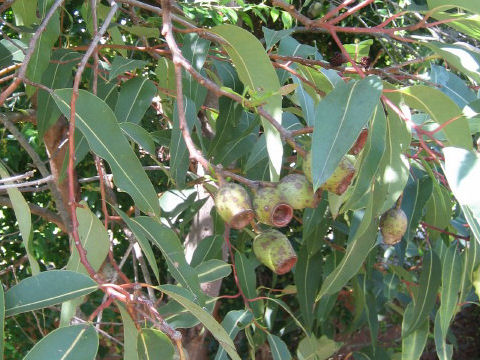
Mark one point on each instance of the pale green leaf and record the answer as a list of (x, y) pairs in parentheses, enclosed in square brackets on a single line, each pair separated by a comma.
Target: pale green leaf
[(451, 282), (154, 344), (212, 270), (272, 36), (25, 12), (130, 334), (11, 54), (139, 135), (2, 319), (232, 323), (311, 348), (205, 318), (139, 31), (107, 141), (255, 70), (134, 99), (45, 289), (444, 350), (121, 65), (413, 344), (248, 280), (278, 348), (452, 85), (77, 342), (342, 114), (24, 219)]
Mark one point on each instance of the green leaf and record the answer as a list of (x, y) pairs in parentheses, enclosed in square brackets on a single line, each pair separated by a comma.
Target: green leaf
[(229, 113), (205, 318), (444, 350), (255, 70), (2, 319), (67, 343), (370, 160), (278, 348), (464, 23), (272, 37), (232, 323), (306, 101), (121, 65), (451, 281), (154, 344), (212, 270), (461, 56), (139, 31), (45, 289), (11, 54), (414, 343), (24, 219), (25, 12), (438, 209), (452, 85), (134, 99), (341, 114), (415, 197), (173, 251), (462, 170), (130, 334), (470, 5), (94, 239), (107, 141), (195, 50), (41, 56), (209, 248), (428, 285), (165, 72), (441, 109), (321, 348), (392, 174), (248, 280), (179, 155), (139, 135), (307, 278), (57, 75)]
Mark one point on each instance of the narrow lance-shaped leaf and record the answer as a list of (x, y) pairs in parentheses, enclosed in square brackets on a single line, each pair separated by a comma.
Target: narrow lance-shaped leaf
[(444, 350), (66, 343), (94, 239), (452, 85), (441, 109), (22, 213), (429, 282), (212, 270), (205, 318), (256, 71), (130, 334), (451, 281), (372, 154), (232, 323), (339, 118), (278, 348), (173, 251), (121, 65), (248, 280), (415, 197), (413, 344), (134, 99), (107, 141), (154, 344), (357, 251), (45, 289)]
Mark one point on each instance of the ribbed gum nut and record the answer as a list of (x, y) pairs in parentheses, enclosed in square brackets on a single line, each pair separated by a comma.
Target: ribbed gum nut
[(273, 249), (307, 166), (360, 143), (341, 177), (297, 191), (393, 225), (270, 208), (234, 206)]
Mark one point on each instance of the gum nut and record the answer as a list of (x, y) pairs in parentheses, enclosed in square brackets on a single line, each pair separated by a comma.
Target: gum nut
[(297, 191), (273, 249), (234, 206), (270, 208), (341, 177), (393, 225)]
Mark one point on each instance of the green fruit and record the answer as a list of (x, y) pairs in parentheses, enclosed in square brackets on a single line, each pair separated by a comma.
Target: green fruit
[(270, 208), (273, 249), (315, 10), (234, 206), (341, 177), (297, 191), (393, 225)]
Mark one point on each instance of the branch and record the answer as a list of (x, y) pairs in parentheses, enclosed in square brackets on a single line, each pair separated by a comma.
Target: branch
[(40, 211)]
